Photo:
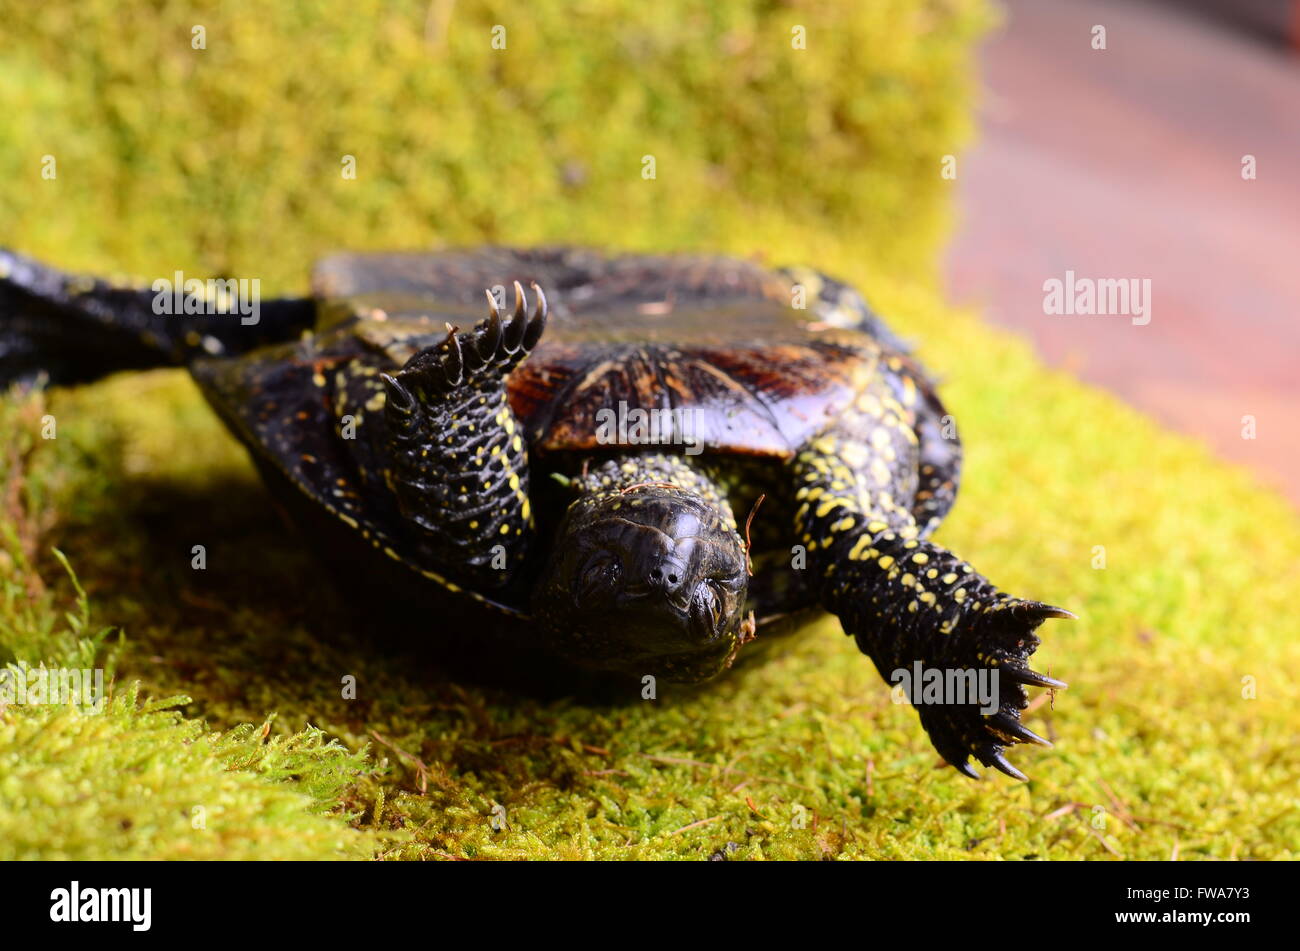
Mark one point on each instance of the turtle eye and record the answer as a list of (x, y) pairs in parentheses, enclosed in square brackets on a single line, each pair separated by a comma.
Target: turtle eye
[(717, 596), (599, 574), (707, 608)]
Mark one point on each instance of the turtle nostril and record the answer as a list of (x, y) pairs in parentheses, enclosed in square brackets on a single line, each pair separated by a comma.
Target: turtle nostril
[(666, 578)]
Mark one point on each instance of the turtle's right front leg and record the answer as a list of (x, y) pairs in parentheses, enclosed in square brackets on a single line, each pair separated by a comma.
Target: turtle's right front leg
[(455, 456)]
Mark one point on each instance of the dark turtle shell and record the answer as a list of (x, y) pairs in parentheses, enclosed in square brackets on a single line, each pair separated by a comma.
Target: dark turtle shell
[(722, 337), (715, 335)]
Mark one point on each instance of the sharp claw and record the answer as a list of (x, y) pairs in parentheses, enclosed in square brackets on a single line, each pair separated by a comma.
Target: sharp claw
[(1005, 723), (966, 768), (493, 313), (1023, 675), (489, 338), (514, 331), (533, 333), (1000, 762), (1040, 611), (398, 396), (1047, 610), (454, 361)]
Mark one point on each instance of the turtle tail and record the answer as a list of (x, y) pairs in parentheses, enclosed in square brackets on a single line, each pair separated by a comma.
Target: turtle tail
[(64, 328)]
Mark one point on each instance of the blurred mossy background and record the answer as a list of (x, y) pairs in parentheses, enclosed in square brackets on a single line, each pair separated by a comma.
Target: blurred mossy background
[(237, 741)]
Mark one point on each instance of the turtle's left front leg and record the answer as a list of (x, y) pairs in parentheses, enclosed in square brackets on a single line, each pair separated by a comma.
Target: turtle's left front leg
[(454, 454), (916, 609)]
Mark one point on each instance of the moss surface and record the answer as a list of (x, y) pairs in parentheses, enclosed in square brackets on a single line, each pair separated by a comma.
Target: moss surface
[(227, 160)]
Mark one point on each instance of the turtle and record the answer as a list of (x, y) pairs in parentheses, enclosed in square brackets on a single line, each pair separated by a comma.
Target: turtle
[(583, 470)]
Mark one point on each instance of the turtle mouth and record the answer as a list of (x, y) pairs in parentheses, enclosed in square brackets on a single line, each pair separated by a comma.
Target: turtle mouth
[(681, 666), (648, 582), (652, 584), (675, 606)]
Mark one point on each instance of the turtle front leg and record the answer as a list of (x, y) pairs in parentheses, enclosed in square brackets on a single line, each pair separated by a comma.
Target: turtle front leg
[(454, 455), (932, 623), (959, 646)]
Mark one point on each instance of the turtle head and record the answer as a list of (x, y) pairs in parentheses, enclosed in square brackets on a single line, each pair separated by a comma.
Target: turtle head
[(650, 580)]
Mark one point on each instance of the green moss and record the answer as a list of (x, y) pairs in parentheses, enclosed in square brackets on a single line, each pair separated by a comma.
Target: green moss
[(171, 157), (137, 781), (828, 155)]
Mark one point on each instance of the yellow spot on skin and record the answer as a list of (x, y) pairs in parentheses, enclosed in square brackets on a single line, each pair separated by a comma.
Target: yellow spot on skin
[(826, 507), (959, 594), (909, 391), (885, 562), (928, 597), (920, 558), (949, 578), (855, 455)]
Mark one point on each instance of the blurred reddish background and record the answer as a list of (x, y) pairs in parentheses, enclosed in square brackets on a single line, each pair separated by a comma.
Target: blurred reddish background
[(1127, 163)]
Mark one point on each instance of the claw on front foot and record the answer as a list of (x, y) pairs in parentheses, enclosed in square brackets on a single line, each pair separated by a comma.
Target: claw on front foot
[(493, 347), (522, 331), (997, 640)]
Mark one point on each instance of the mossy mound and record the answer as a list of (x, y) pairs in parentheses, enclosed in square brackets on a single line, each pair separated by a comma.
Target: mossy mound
[(232, 158), (1176, 737)]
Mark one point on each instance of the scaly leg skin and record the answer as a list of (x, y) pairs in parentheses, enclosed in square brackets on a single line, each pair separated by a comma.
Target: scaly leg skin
[(906, 600), (71, 328), (455, 457)]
